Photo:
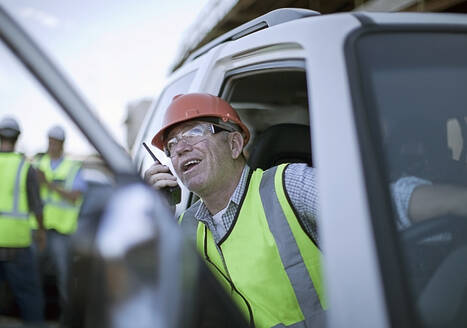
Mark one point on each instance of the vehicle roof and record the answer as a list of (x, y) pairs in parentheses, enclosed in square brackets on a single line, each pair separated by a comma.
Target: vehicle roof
[(285, 15), (413, 18)]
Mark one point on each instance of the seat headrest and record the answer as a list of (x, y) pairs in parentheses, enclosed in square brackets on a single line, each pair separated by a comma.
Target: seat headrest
[(282, 143)]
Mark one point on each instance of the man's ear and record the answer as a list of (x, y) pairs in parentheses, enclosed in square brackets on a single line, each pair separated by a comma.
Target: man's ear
[(235, 144)]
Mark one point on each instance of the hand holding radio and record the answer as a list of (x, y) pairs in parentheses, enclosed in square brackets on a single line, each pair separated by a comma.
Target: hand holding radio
[(160, 178)]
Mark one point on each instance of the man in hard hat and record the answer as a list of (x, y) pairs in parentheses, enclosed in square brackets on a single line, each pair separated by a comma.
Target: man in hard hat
[(62, 186), (19, 195), (255, 229)]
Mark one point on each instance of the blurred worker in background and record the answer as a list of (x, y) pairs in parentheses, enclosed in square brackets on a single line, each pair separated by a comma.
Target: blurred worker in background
[(62, 186), (19, 195)]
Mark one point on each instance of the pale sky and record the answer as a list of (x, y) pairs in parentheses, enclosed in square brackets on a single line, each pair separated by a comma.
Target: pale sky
[(114, 52)]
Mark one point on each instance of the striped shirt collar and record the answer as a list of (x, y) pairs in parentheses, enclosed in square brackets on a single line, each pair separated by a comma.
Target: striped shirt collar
[(203, 215)]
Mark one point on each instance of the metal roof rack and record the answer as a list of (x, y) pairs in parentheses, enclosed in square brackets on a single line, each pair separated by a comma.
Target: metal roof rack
[(272, 18)]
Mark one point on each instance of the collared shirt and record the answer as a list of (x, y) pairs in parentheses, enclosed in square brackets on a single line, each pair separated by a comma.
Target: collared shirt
[(219, 230), (302, 189), (300, 184), (401, 191)]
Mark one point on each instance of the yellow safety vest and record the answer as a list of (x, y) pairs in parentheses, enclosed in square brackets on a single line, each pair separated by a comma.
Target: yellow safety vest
[(267, 263), (14, 226), (59, 213)]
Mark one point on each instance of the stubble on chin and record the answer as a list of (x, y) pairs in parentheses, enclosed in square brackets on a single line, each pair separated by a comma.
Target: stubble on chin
[(192, 184)]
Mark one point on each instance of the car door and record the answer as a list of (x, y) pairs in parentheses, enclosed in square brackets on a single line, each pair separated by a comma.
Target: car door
[(293, 73), (270, 76), (356, 90), (372, 277), (413, 102)]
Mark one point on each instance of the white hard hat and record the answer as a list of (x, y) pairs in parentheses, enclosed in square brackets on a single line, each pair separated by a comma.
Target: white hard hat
[(9, 127), (56, 132)]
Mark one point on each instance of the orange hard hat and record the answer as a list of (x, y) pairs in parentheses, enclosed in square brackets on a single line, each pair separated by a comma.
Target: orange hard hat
[(186, 107)]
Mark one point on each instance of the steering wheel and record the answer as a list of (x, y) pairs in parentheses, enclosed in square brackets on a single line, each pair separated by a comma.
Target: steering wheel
[(428, 243), (435, 252), (454, 226)]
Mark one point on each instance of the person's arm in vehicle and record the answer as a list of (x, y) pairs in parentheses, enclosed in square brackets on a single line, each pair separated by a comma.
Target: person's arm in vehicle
[(418, 199), (429, 201), (302, 189)]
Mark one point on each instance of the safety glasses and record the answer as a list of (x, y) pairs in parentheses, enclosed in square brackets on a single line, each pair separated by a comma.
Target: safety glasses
[(193, 136)]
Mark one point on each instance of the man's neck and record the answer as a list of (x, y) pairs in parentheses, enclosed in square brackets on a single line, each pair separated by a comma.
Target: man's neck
[(217, 200)]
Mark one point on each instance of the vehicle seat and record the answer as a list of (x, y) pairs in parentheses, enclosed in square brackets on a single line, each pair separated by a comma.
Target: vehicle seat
[(282, 143)]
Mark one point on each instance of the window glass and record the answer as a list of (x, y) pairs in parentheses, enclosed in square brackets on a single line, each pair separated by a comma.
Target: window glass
[(414, 89), (69, 166)]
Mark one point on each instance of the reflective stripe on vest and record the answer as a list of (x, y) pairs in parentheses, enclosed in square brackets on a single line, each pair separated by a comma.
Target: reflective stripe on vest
[(59, 213), (251, 259), (280, 226), (14, 226)]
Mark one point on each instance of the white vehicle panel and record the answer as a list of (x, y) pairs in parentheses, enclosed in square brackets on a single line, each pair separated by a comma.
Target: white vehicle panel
[(348, 239), (351, 261)]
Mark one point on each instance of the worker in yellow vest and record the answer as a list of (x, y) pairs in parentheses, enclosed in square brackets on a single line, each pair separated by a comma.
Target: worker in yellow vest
[(255, 229), (62, 186), (19, 196)]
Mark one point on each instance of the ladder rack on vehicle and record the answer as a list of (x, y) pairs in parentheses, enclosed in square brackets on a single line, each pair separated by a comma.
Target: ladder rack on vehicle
[(275, 17)]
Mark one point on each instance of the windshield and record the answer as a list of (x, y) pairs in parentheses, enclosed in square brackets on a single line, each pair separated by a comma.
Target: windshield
[(414, 89)]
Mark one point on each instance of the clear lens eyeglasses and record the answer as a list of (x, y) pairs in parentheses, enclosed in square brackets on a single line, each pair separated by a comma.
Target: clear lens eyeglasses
[(192, 136)]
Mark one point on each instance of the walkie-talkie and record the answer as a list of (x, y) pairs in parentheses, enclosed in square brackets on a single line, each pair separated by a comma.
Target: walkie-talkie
[(173, 194)]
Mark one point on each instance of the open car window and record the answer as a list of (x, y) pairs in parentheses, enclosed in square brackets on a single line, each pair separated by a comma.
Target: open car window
[(271, 99)]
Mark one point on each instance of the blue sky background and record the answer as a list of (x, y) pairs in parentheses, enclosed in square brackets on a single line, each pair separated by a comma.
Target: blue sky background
[(114, 52)]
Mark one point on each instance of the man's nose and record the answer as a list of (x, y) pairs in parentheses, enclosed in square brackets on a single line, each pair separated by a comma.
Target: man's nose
[(182, 146)]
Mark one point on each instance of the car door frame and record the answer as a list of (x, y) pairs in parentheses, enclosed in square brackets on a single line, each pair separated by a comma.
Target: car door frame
[(352, 269)]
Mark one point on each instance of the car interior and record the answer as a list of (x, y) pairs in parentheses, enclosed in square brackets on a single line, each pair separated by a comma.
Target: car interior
[(276, 114), (290, 144), (425, 139), (280, 95), (434, 250)]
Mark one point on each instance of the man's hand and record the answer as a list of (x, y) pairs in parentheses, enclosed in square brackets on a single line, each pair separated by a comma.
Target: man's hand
[(40, 236), (158, 176)]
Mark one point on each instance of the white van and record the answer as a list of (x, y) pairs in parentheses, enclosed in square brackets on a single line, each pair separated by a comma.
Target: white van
[(384, 98)]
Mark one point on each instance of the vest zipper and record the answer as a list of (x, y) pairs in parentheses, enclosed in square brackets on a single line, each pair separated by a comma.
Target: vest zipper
[(228, 278)]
